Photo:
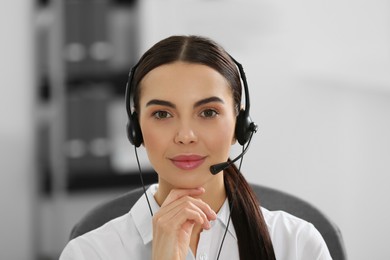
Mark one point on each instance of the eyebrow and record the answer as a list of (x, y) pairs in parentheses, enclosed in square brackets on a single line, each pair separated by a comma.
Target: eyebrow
[(160, 103), (208, 100), (197, 104)]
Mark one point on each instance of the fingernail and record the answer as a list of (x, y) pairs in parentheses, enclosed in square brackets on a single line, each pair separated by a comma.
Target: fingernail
[(208, 226)]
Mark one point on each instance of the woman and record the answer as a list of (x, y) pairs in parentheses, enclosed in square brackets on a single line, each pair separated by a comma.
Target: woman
[(187, 96)]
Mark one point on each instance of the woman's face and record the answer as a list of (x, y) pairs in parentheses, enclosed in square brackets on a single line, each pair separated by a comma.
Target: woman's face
[(187, 120)]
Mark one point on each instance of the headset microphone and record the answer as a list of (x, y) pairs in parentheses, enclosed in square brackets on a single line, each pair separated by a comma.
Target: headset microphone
[(216, 168)]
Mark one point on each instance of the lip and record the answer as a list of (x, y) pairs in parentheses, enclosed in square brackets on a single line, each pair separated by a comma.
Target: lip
[(188, 162)]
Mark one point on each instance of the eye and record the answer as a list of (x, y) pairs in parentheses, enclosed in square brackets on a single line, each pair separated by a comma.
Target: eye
[(161, 114), (209, 113)]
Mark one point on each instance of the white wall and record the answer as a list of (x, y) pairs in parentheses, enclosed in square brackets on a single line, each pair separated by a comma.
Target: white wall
[(17, 180), (319, 77), (330, 145)]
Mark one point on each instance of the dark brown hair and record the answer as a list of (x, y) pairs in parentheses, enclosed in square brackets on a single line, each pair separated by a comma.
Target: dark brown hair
[(252, 234)]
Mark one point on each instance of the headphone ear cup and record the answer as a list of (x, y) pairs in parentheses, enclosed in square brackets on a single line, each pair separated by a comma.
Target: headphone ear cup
[(243, 127), (134, 133)]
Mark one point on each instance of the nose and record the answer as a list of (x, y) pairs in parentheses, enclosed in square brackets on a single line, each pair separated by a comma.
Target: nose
[(185, 134)]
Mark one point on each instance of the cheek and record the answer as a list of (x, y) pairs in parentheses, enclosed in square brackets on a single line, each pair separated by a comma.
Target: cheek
[(156, 142), (220, 139), (154, 147), (152, 138)]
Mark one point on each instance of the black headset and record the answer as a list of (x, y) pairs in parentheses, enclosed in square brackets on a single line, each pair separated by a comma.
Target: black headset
[(244, 125)]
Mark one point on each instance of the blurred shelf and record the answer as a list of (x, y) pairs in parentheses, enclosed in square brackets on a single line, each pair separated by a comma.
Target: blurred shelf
[(86, 181)]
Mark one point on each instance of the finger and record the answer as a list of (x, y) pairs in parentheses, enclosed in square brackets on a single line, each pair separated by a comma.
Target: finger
[(211, 215), (179, 219), (171, 211), (176, 194), (194, 217), (203, 206)]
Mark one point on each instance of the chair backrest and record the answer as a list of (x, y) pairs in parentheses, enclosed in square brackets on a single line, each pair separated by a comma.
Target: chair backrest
[(271, 199)]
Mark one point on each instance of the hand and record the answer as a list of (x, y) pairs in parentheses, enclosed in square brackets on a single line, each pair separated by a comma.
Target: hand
[(174, 222)]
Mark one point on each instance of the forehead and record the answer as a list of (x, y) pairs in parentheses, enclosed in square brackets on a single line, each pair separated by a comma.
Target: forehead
[(184, 77)]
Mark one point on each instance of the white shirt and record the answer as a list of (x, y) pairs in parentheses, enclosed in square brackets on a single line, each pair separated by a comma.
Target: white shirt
[(130, 236)]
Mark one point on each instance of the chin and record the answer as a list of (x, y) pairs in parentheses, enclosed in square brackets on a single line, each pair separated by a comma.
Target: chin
[(180, 179), (186, 184), (196, 182)]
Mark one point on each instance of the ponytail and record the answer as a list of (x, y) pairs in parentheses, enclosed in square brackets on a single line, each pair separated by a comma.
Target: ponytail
[(253, 238)]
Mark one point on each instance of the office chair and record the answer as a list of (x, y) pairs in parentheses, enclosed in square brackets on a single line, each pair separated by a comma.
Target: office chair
[(271, 199)]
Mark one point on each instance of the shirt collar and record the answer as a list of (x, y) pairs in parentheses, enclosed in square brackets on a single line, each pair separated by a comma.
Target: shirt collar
[(223, 216), (140, 213), (143, 220)]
